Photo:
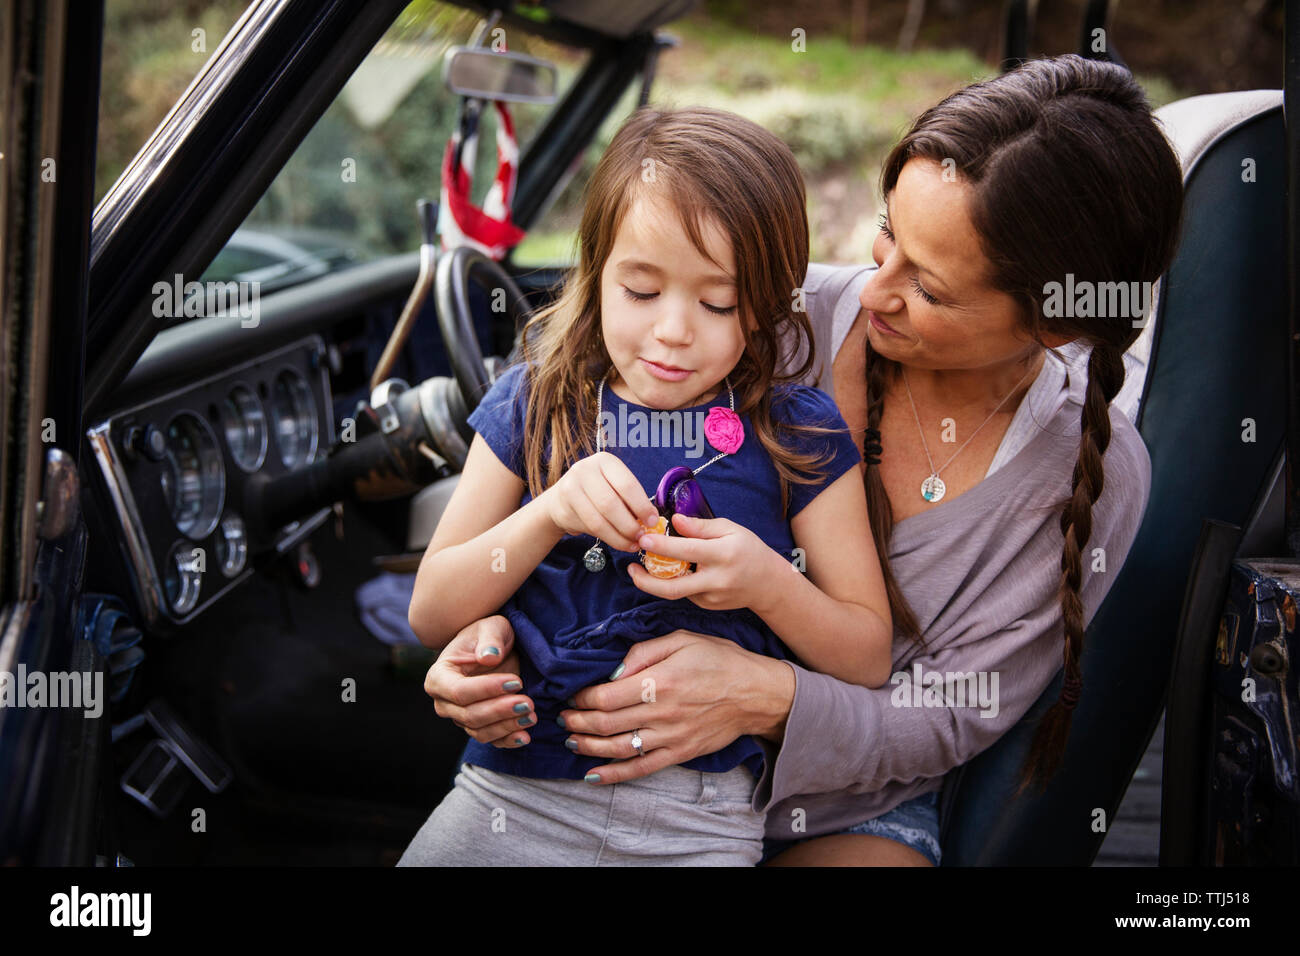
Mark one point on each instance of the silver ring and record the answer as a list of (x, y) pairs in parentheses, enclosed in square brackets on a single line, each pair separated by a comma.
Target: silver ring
[(638, 743)]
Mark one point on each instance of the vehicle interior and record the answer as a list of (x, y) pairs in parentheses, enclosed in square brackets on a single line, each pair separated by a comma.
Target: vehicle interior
[(306, 452)]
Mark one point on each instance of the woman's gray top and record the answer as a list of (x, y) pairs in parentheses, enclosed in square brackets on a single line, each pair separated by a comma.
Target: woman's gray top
[(981, 572)]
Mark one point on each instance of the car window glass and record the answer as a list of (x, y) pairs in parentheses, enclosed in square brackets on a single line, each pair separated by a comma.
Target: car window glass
[(552, 240), (348, 194), (152, 52)]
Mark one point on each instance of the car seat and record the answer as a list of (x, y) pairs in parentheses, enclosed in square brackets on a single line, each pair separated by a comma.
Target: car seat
[(1217, 359)]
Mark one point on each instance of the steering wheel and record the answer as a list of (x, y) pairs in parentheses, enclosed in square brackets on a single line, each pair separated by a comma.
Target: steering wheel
[(457, 269)]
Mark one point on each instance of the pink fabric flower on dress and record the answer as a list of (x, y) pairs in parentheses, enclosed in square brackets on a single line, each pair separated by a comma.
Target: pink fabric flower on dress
[(724, 431)]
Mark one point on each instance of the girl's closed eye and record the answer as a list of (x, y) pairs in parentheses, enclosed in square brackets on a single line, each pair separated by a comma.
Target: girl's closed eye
[(916, 283), (638, 296), (647, 296)]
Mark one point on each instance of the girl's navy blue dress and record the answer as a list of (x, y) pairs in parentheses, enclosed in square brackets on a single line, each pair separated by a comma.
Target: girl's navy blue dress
[(574, 626)]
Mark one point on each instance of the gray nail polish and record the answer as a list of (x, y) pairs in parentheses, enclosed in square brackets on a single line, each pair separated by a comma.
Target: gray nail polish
[(526, 721), (618, 672), (519, 740), (492, 651), (521, 708), (560, 721), (512, 685), (592, 778), (571, 743)]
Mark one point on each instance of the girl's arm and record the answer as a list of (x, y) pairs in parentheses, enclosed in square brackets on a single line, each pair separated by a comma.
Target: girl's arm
[(843, 593), (843, 590), (484, 547)]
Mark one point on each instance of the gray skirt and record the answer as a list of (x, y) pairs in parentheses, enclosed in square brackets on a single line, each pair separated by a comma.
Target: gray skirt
[(675, 817)]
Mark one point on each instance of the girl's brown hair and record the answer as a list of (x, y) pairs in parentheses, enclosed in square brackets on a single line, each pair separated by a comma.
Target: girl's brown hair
[(1070, 175), (711, 166)]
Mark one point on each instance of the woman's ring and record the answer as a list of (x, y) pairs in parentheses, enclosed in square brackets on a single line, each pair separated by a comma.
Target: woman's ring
[(637, 743)]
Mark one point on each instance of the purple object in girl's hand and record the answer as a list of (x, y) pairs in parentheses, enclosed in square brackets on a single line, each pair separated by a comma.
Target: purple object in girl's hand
[(678, 493)]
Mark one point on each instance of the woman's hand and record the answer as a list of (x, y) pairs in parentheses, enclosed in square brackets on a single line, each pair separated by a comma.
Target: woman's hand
[(600, 496), (474, 682), (687, 695), (734, 568)]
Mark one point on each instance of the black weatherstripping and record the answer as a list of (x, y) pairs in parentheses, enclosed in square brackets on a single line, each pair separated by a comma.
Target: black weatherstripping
[(1189, 721), (207, 166)]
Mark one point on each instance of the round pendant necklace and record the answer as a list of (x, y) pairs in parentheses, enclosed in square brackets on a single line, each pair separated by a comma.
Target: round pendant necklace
[(594, 559), (933, 488)]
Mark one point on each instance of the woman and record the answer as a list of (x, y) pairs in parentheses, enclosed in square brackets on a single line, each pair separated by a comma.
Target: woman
[(1005, 474)]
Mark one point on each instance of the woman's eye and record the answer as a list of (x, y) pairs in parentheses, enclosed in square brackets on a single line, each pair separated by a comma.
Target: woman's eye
[(638, 296), (718, 309), (920, 290), (916, 283)]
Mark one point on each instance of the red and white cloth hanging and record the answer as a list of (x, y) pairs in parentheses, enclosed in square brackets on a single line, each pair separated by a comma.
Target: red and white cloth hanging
[(489, 229)]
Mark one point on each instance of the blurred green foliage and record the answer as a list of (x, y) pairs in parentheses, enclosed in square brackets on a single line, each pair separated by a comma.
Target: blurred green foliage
[(839, 105)]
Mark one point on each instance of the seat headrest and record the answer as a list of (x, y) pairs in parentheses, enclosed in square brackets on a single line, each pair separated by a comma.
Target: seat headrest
[(1193, 125)]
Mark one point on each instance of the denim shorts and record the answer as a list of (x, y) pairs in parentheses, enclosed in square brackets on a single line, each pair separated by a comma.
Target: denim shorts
[(913, 823)]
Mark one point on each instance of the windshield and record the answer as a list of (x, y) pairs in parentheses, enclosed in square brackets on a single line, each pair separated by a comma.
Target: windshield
[(348, 194), (152, 52)]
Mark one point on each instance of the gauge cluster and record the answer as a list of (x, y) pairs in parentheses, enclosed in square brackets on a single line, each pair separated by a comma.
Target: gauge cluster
[(177, 468)]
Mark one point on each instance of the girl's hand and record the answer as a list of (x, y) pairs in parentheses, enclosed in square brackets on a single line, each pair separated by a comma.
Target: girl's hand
[(475, 683), (687, 695), (600, 496), (734, 568)]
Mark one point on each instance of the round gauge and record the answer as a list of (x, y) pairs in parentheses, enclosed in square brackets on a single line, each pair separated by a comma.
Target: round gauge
[(193, 477), (294, 412), (183, 575), (245, 427), (232, 545)]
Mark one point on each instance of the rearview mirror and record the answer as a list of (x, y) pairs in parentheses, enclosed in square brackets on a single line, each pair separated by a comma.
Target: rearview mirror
[(486, 75)]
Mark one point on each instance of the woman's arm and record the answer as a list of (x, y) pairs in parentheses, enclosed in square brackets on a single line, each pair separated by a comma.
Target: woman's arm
[(484, 547)]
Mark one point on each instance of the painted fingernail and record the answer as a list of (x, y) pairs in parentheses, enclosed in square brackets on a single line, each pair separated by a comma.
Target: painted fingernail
[(571, 743), (512, 685), (560, 721), (592, 778), (492, 651), (618, 672), (521, 708), (571, 702), (519, 740), (526, 721)]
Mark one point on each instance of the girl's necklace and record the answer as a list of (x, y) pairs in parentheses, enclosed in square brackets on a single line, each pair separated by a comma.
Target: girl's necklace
[(594, 559), (933, 488)]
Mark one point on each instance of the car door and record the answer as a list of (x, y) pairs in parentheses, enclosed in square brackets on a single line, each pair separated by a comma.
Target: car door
[(53, 725)]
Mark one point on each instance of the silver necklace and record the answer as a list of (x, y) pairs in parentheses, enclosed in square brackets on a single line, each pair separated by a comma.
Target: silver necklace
[(594, 559), (933, 488)]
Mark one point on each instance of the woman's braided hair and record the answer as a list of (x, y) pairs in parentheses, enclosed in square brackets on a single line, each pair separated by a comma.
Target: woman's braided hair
[(1070, 174)]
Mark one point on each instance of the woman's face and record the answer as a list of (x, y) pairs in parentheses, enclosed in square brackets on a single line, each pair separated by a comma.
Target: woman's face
[(930, 305)]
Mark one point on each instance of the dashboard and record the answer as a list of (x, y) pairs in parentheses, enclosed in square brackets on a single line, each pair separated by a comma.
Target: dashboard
[(177, 468)]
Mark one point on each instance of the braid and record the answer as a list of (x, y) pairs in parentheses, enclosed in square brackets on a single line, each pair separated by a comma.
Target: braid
[(1061, 140), (878, 373), (1105, 377)]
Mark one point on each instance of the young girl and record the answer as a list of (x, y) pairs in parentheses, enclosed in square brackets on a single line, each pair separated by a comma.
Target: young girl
[(661, 353)]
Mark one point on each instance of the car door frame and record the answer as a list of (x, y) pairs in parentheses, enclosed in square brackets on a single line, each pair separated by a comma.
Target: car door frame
[(50, 757)]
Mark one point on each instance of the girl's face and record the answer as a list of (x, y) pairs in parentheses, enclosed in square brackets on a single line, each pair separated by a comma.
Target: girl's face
[(669, 316), (930, 305)]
